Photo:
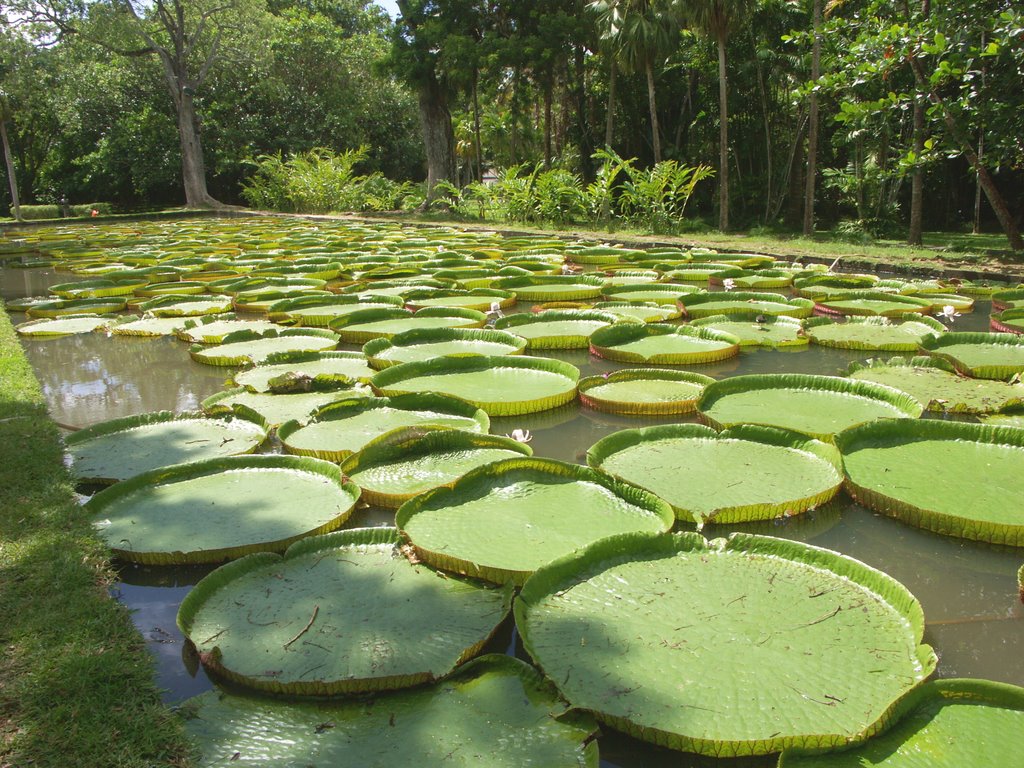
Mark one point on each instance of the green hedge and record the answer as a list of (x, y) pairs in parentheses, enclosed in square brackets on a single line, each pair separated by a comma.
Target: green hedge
[(31, 212)]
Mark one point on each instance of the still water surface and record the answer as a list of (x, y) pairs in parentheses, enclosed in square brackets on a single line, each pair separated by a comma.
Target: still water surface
[(975, 620)]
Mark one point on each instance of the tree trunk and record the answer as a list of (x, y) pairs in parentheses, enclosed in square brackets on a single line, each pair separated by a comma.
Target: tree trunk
[(478, 148), (812, 136), (193, 166), (652, 103), (438, 136), (915, 231), (609, 124), (723, 139), (12, 178), (548, 87)]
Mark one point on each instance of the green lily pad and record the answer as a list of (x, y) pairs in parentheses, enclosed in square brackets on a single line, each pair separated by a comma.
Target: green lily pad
[(632, 276), (821, 286), (179, 287), (819, 406), (215, 510), (758, 279), (318, 311), (947, 724), (873, 303), (552, 287), (396, 466), (361, 327), (501, 386), (658, 343), (645, 311), (64, 307), (1008, 321), (1011, 419), (342, 613), (755, 330), (278, 409), (1008, 298), (97, 288), (743, 474), (502, 521), (428, 343), (658, 293), (873, 333), (65, 325), (935, 382), (116, 450), (331, 366), (174, 305), (495, 711), (147, 326), (481, 299), (215, 328), (728, 303), (644, 391), (953, 478), (340, 429), (982, 355), (694, 273), (247, 347), (738, 646), (556, 328)]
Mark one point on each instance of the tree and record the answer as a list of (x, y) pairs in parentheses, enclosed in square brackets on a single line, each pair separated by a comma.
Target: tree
[(717, 19), (188, 38)]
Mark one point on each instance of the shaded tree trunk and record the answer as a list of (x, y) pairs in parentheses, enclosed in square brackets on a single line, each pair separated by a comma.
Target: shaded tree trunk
[(609, 125), (915, 230), (193, 164), (812, 136), (438, 136), (478, 148), (723, 139), (548, 87), (12, 178), (652, 103)]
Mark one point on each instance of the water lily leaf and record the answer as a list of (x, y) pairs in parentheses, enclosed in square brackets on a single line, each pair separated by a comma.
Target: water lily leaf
[(215, 510), (1011, 419), (940, 300), (658, 343), (178, 287), (396, 466), (335, 365), (693, 273), (214, 328), (756, 280), (947, 724), (277, 409), (248, 347), (118, 449), (556, 328), (147, 326), (737, 646), (1008, 298), (821, 286), (647, 311), (340, 429), (502, 521), (342, 613), (481, 299), (318, 311), (659, 293), (982, 355), (495, 711), (175, 305), (1008, 321), (934, 382), (819, 406), (552, 287), (97, 288), (63, 307), (501, 386), (757, 330), (65, 325), (742, 474), (873, 333), (873, 303), (726, 303), (927, 473), (644, 391), (361, 327), (428, 343)]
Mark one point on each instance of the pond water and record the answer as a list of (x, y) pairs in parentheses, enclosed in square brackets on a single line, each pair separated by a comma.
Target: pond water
[(975, 620)]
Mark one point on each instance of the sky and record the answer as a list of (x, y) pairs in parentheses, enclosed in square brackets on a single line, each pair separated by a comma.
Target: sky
[(390, 6)]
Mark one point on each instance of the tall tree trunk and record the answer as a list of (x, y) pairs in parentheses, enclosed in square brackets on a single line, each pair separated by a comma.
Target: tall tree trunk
[(12, 178), (723, 139), (976, 228), (652, 103), (609, 125), (193, 166), (438, 136), (478, 146), (548, 87), (812, 136), (916, 228)]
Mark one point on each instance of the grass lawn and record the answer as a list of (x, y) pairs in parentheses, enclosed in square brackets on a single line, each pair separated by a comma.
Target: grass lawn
[(76, 681)]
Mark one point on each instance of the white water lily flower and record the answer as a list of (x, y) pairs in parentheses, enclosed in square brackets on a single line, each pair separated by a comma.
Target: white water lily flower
[(495, 310), (728, 284), (520, 435), (949, 313)]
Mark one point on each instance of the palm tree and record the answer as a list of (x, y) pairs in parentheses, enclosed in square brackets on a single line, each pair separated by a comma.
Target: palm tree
[(637, 33), (717, 19)]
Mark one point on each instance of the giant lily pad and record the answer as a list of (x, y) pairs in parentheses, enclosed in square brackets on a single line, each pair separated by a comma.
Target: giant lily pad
[(953, 478), (873, 303), (396, 466), (278, 409), (481, 299), (360, 327), (982, 355), (318, 311), (659, 293), (340, 429), (644, 391), (495, 711), (247, 347), (428, 343), (503, 521), (935, 382), (737, 646), (829, 284), (215, 510), (66, 325), (556, 328), (320, 366), (756, 330), (118, 449), (343, 613), (658, 343), (64, 307), (147, 326), (947, 724), (819, 406), (552, 287), (874, 333), (725, 303), (215, 328), (1008, 321), (174, 305), (742, 474), (97, 288), (646, 311), (1008, 298), (501, 386)]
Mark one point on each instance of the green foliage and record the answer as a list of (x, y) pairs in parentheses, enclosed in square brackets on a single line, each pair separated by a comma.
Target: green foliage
[(31, 212)]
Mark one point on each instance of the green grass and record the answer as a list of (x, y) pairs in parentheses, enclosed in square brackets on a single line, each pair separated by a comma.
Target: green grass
[(76, 681)]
